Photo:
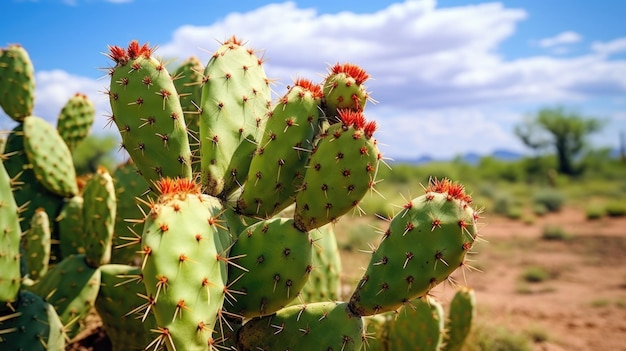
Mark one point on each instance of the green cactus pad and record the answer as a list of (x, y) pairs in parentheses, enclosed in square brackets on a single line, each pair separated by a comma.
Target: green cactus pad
[(71, 287), (418, 326), (147, 111), (17, 82), (99, 210), (344, 89), (71, 226), (188, 80), (339, 173), (277, 167), (271, 262), (377, 331), (36, 245), (235, 101), (50, 157), (183, 268), (460, 316), (119, 295), (75, 119), (9, 241), (32, 325), (315, 326), (424, 244), (129, 187)]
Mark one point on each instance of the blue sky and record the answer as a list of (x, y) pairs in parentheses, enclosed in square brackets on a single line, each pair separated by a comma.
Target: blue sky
[(450, 77)]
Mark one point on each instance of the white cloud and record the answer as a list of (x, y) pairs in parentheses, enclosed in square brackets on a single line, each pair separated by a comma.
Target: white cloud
[(563, 38), (436, 73)]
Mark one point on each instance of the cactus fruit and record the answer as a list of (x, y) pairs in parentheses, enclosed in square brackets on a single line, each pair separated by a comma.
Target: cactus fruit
[(99, 210), (315, 326), (31, 324), (340, 171), (460, 316), (71, 286), (424, 244), (146, 109), (9, 241), (277, 167), (17, 82), (344, 89), (183, 267), (417, 326), (279, 255), (119, 295), (235, 100), (50, 157), (36, 245), (75, 120)]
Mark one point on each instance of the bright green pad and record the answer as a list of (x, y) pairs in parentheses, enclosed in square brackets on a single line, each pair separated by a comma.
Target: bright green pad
[(344, 89), (235, 100), (339, 173), (277, 261), (50, 157), (424, 244), (10, 233), (460, 316), (188, 80), (36, 245), (99, 210), (71, 226), (34, 326), (71, 287), (277, 167), (118, 297), (148, 114), (184, 272), (28, 192), (318, 326), (418, 326), (75, 119), (129, 186), (17, 82), (324, 284)]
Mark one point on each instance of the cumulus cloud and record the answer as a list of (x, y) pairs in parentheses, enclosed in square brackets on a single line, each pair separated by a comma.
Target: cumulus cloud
[(437, 74), (562, 38)]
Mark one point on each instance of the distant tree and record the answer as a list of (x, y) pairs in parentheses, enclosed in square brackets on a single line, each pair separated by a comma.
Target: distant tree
[(94, 151), (567, 132)]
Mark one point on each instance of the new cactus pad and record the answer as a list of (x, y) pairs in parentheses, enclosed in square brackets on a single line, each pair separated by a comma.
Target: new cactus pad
[(183, 267), (17, 82), (271, 263), (424, 243), (340, 171), (235, 101), (75, 119), (99, 210), (277, 167), (146, 109), (344, 89), (460, 316)]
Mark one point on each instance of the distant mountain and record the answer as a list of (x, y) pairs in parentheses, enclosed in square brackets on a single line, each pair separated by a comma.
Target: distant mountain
[(471, 158)]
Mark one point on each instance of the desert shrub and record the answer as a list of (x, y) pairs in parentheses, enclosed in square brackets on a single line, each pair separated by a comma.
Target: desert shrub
[(616, 208), (554, 232), (535, 274), (505, 204), (497, 338), (594, 212), (552, 199), (540, 209)]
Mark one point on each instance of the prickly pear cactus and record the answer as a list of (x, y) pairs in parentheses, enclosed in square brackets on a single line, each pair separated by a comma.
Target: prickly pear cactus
[(17, 82), (36, 245), (183, 268), (423, 245), (75, 120), (460, 316), (99, 210), (235, 101), (71, 224), (315, 326), (9, 241), (31, 324), (418, 326), (344, 88), (146, 109)]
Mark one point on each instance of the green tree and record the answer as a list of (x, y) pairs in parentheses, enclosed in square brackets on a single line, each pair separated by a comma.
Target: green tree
[(564, 131), (94, 151)]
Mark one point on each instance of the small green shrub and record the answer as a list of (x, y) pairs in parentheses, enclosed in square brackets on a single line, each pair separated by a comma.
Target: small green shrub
[(497, 338), (552, 199), (535, 274), (539, 209), (616, 209), (593, 212), (554, 232)]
